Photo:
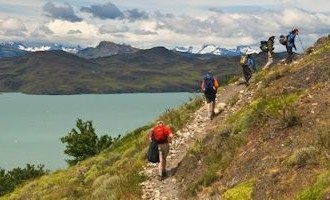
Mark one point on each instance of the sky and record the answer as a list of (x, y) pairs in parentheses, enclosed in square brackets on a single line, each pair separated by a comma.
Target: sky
[(150, 23)]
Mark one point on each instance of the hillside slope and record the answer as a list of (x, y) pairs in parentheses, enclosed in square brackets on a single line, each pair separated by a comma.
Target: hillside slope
[(271, 141), (275, 144)]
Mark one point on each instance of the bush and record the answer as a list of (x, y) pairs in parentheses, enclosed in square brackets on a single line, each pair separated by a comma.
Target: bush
[(10, 179), (323, 138), (302, 157), (242, 191), (84, 143)]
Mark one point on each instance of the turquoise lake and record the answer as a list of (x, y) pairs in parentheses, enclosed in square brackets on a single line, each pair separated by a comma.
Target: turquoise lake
[(31, 125)]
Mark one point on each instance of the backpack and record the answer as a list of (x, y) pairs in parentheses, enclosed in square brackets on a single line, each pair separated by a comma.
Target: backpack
[(153, 152), (243, 60), (209, 82), (159, 134), (283, 40), (263, 46)]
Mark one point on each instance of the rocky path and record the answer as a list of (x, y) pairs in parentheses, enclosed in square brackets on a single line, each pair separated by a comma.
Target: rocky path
[(196, 129)]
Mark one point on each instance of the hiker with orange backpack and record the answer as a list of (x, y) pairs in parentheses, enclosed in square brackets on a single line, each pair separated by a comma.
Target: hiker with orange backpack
[(160, 137), (209, 87)]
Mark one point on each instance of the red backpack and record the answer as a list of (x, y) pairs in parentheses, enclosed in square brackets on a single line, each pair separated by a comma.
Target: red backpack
[(160, 134)]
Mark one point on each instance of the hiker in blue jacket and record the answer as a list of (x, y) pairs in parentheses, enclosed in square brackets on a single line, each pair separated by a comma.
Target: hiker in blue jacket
[(251, 62), (290, 44)]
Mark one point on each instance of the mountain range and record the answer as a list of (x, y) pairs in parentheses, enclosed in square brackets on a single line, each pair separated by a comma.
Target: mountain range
[(216, 50), (106, 48), (152, 70)]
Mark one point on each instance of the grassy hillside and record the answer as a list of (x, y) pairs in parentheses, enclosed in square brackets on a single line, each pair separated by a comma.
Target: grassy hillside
[(113, 174), (276, 142)]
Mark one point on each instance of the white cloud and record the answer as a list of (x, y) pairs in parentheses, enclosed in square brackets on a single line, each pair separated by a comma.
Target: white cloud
[(13, 27), (193, 23)]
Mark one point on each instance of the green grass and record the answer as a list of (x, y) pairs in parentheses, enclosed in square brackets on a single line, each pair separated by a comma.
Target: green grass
[(318, 190), (260, 111), (242, 191)]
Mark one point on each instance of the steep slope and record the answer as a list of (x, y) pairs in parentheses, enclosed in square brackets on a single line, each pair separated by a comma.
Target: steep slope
[(275, 142), (270, 141)]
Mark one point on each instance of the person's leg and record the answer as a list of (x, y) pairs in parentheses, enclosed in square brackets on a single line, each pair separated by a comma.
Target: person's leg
[(247, 73), (290, 54), (163, 152), (208, 97), (269, 60), (209, 109)]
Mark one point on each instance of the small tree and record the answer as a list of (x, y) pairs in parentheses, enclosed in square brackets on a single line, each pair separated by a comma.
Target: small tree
[(84, 142), (13, 178)]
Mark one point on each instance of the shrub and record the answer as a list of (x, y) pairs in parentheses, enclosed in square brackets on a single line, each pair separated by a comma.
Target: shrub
[(242, 191), (323, 138), (302, 157), (10, 179), (84, 143)]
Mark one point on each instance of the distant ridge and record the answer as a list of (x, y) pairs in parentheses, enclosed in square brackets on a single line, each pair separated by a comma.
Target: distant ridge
[(104, 49)]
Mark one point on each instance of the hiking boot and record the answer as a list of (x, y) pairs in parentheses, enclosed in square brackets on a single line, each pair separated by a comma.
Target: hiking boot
[(160, 178), (164, 174)]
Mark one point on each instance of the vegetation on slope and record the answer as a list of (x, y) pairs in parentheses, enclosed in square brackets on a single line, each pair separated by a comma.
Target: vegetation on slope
[(277, 135), (113, 174), (13, 178)]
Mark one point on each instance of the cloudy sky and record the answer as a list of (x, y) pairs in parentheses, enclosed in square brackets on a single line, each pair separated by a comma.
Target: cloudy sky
[(148, 23)]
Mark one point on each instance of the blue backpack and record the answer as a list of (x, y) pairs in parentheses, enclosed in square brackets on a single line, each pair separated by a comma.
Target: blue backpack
[(209, 82)]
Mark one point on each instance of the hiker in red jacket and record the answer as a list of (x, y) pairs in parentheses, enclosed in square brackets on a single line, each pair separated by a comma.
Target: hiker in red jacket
[(163, 136)]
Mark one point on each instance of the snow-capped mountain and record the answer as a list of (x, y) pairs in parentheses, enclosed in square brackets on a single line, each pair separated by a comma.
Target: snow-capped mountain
[(33, 47), (184, 49), (216, 50), (48, 47)]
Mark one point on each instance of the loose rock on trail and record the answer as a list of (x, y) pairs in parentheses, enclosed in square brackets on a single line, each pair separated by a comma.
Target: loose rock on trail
[(196, 129)]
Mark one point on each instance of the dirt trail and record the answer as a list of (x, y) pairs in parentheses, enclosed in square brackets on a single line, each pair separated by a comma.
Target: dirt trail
[(186, 137)]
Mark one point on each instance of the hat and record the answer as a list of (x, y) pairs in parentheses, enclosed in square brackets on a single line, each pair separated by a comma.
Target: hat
[(160, 122), (295, 30)]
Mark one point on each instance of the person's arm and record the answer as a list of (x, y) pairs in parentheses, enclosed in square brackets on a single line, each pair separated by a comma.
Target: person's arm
[(216, 84), (170, 135), (150, 135), (203, 86)]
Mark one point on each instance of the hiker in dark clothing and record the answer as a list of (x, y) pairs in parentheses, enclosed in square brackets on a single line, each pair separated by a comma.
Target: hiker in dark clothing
[(290, 44), (247, 74), (248, 65), (209, 88), (270, 52)]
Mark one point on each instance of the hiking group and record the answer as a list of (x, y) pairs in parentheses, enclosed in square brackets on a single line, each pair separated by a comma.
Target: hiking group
[(161, 135), (247, 60)]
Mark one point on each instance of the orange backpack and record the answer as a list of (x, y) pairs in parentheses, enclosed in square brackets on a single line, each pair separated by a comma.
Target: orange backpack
[(159, 134)]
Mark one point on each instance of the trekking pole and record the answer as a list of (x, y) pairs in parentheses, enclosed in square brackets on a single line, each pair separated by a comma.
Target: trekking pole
[(301, 44)]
